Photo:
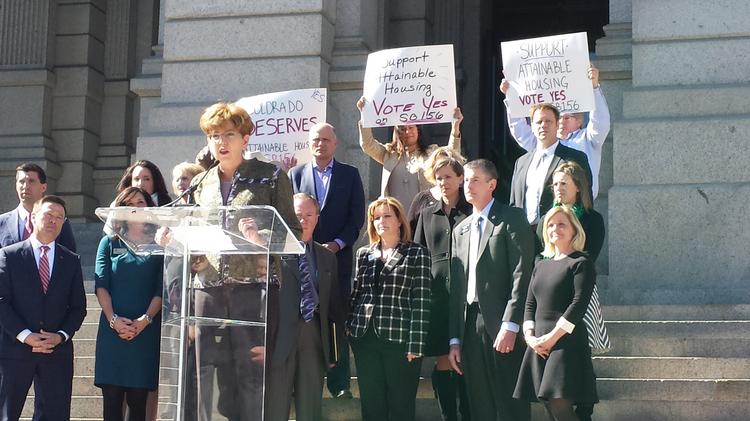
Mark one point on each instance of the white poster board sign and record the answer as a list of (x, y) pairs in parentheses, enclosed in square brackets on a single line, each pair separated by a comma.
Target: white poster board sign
[(282, 121), (412, 85), (548, 70)]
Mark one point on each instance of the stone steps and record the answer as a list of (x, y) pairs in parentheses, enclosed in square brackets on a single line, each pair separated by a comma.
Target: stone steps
[(673, 368), (676, 312)]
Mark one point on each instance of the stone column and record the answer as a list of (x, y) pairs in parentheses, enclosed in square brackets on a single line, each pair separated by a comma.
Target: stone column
[(678, 230), (27, 29), (359, 31), (230, 50), (78, 100)]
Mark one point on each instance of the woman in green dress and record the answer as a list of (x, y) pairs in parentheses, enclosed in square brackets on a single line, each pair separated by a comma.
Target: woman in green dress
[(129, 290)]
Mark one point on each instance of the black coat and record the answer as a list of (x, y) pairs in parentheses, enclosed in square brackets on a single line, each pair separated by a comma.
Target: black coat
[(433, 231)]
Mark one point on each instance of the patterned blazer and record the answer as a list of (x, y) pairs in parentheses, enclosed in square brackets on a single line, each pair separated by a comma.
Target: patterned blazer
[(255, 183), (399, 304)]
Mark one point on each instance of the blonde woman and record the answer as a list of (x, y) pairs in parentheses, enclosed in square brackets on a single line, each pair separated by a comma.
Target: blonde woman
[(557, 367), (389, 314), (403, 158)]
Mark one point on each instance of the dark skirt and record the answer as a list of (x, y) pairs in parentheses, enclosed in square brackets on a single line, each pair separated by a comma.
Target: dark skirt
[(568, 372)]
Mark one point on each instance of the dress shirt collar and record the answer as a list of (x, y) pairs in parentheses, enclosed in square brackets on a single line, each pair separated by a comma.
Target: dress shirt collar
[(485, 213), (22, 213), (326, 168), (547, 152), (36, 244)]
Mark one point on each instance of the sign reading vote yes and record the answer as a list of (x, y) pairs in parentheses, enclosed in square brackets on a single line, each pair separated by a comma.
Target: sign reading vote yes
[(413, 85), (548, 69), (282, 121)]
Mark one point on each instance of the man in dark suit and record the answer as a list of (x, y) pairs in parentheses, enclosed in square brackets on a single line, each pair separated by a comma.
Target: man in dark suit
[(531, 188), (42, 304), (16, 226), (338, 190), (310, 315), (491, 263)]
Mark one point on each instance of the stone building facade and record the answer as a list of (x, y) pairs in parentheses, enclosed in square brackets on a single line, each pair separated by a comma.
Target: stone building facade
[(86, 86)]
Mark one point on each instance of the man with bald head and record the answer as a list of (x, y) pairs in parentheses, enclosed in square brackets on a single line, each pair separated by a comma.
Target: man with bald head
[(338, 189)]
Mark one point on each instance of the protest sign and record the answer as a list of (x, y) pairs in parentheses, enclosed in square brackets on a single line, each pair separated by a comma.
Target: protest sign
[(548, 69), (282, 121), (412, 85)]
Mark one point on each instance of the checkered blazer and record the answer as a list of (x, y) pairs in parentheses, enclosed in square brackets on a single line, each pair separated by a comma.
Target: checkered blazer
[(401, 303)]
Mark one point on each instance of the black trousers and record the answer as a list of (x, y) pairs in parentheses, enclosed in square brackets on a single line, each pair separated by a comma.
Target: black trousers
[(113, 397), (387, 381), (491, 376), (301, 375), (240, 380), (53, 384)]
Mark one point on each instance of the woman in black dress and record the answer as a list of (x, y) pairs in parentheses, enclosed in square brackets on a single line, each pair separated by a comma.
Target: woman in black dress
[(433, 229), (557, 367), (570, 187)]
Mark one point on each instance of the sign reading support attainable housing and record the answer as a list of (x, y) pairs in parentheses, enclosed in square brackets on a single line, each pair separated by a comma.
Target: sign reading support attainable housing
[(548, 70)]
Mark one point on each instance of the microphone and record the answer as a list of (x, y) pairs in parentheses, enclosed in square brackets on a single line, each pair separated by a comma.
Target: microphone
[(190, 190)]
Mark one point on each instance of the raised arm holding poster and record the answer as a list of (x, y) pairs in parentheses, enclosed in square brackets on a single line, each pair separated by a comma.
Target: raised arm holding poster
[(548, 69), (282, 121), (412, 85)]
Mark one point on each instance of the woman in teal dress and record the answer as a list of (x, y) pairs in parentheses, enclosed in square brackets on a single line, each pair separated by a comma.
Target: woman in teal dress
[(129, 290)]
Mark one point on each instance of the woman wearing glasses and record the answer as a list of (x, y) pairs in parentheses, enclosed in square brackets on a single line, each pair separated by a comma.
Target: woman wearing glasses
[(403, 158)]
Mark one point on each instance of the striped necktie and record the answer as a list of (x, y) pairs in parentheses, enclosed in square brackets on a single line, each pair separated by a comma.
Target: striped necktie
[(27, 228), (44, 268), (308, 298)]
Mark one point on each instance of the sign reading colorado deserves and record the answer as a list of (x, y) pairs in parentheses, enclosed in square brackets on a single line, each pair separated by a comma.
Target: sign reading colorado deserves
[(282, 121), (412, 85), (548, 69)]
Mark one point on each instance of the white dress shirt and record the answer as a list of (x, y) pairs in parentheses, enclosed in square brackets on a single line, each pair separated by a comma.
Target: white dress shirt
[(23, 214), (535, 179)]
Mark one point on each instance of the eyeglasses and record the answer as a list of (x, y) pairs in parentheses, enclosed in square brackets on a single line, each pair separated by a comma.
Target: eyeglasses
[(228, 136)]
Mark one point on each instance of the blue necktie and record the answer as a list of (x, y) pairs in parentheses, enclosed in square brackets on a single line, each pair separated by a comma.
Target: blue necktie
[(308, 300)]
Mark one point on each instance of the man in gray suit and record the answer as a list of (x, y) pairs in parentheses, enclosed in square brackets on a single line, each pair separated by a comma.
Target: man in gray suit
[(310, 325), (491, 263)]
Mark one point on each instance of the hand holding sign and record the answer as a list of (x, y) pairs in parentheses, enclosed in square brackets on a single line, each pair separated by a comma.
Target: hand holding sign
[(413, 85)]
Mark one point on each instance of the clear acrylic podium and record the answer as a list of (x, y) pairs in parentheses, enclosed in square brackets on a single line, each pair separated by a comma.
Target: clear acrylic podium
[(218, 265)]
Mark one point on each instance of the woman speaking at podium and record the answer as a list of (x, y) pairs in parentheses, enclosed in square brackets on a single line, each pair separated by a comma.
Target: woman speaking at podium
[(239, 289)]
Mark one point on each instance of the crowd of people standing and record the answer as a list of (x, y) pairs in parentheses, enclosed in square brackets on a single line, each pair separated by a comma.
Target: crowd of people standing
[(496, 293)]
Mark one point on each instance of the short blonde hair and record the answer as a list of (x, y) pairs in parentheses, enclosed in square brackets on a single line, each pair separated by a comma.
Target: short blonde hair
[(186, 167), (441, 157), (398, 209), (222, 113), (579, 240)]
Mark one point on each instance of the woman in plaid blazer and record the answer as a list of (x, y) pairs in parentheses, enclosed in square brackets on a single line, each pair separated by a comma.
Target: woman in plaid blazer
[(390, 314)]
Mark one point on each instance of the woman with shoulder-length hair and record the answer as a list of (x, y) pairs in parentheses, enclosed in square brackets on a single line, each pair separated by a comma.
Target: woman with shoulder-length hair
[(557, 367), (403, 158), (145, 175), (129, 290), (390, 314), (570, 187), (433, 230)]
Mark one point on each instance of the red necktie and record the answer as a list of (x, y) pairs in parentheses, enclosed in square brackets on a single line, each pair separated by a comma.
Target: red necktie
[(27, 228), (44, 269)]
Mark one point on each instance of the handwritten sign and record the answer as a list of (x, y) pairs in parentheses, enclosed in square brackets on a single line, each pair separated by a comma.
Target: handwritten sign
[(413, 85), (548, 69), (282, 121)]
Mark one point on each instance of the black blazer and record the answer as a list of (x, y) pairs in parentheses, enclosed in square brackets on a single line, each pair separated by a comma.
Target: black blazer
[(9, 231), (343, 212), (518, 184), (331, 309), (23, 305), (506, 258)]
